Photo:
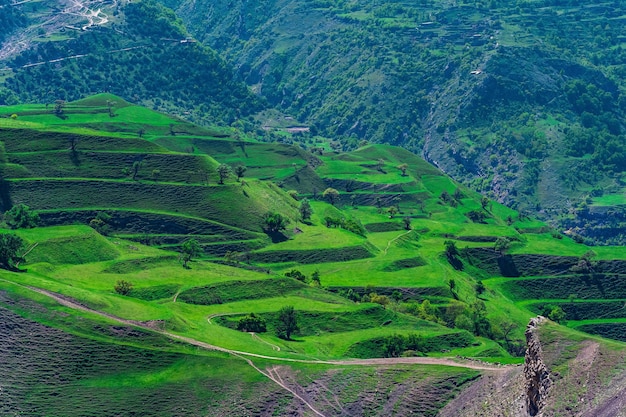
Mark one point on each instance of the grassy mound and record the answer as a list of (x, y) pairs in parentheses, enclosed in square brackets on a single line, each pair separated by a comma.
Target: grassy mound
[(401, 264), (83, 247), (230, 291), (313, 256)]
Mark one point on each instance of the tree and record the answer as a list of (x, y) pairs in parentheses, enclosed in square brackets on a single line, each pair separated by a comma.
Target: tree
[(458, 194), (156, 173), (252, 323), (557, 314), (21, 217), (315, 278), (123, 287), (73, 140), (224, 171), (59, 108), (407, 222), (239, 171), (274, 222), (383, 300), (452, 286), (585, 263), (392, 211), (287, 322), (110, 106), (480, 288), (484, 202), (476, 216), (403, 168), (502, 245), (10, 247), (451, 249), (136, 166), (394, 345), (295, 274), (331, 194), (191, 248), (305, 209)]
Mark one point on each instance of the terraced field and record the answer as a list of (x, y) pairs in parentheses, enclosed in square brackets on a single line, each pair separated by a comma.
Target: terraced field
[(402, 261)]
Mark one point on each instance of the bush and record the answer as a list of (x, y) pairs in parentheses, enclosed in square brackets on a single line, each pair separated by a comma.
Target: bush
[(21, 217), (123, 287), (252, 323)]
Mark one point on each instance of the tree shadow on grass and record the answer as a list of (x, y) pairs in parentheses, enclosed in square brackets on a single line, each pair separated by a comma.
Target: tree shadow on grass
[(277, 237)]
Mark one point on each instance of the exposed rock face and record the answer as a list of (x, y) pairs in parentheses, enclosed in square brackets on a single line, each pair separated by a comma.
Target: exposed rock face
[(535, 370)]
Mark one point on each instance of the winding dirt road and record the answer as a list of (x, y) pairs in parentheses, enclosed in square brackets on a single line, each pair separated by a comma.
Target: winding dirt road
[(271, 373)]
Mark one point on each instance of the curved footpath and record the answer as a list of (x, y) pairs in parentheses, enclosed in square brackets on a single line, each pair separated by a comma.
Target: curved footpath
[(246, 356)]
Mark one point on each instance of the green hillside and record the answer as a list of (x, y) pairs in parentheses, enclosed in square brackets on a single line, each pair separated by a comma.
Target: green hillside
[(387, 264), (520, 100)]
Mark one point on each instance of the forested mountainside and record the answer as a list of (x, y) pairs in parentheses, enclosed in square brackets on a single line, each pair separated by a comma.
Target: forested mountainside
[(140, 51), (519, 99)]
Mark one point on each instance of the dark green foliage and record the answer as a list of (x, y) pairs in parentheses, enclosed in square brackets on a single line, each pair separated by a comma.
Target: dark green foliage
[(597, 286), (480, 288), (502, 244), (287, 322), (331, 195), (223, 171), (274, 222), (584, 310), (170, 74), (101, 223), (239, 171), (252, 323), (305, 209), (295, 274), (616, 331), (10, 250), (395, 345), (123, 287), (477, 216), (21, 217), (408, 294), (230, 291), (190, 249), (452, 255)]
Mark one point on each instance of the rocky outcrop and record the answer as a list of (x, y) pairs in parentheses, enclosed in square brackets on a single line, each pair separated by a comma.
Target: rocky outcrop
[(536, 372)]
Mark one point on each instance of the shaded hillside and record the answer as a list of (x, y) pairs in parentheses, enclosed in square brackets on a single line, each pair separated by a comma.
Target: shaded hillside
[(140, 52), (518, 100)]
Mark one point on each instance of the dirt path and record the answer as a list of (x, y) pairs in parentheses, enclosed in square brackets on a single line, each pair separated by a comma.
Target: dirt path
[(257, 337), (272, 375), (460, 363), (394, 239)]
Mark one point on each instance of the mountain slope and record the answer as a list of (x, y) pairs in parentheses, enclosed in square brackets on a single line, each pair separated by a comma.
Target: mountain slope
[(504, 96), (136, 50)]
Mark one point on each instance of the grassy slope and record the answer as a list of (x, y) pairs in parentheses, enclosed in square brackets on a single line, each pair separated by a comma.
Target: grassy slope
[(77, 262)]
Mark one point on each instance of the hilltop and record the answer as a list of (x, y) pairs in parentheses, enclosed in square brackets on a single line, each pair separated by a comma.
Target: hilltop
[(393, 266)]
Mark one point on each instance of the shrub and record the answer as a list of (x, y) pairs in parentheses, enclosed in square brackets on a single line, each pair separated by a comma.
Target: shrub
[(252, 323)]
